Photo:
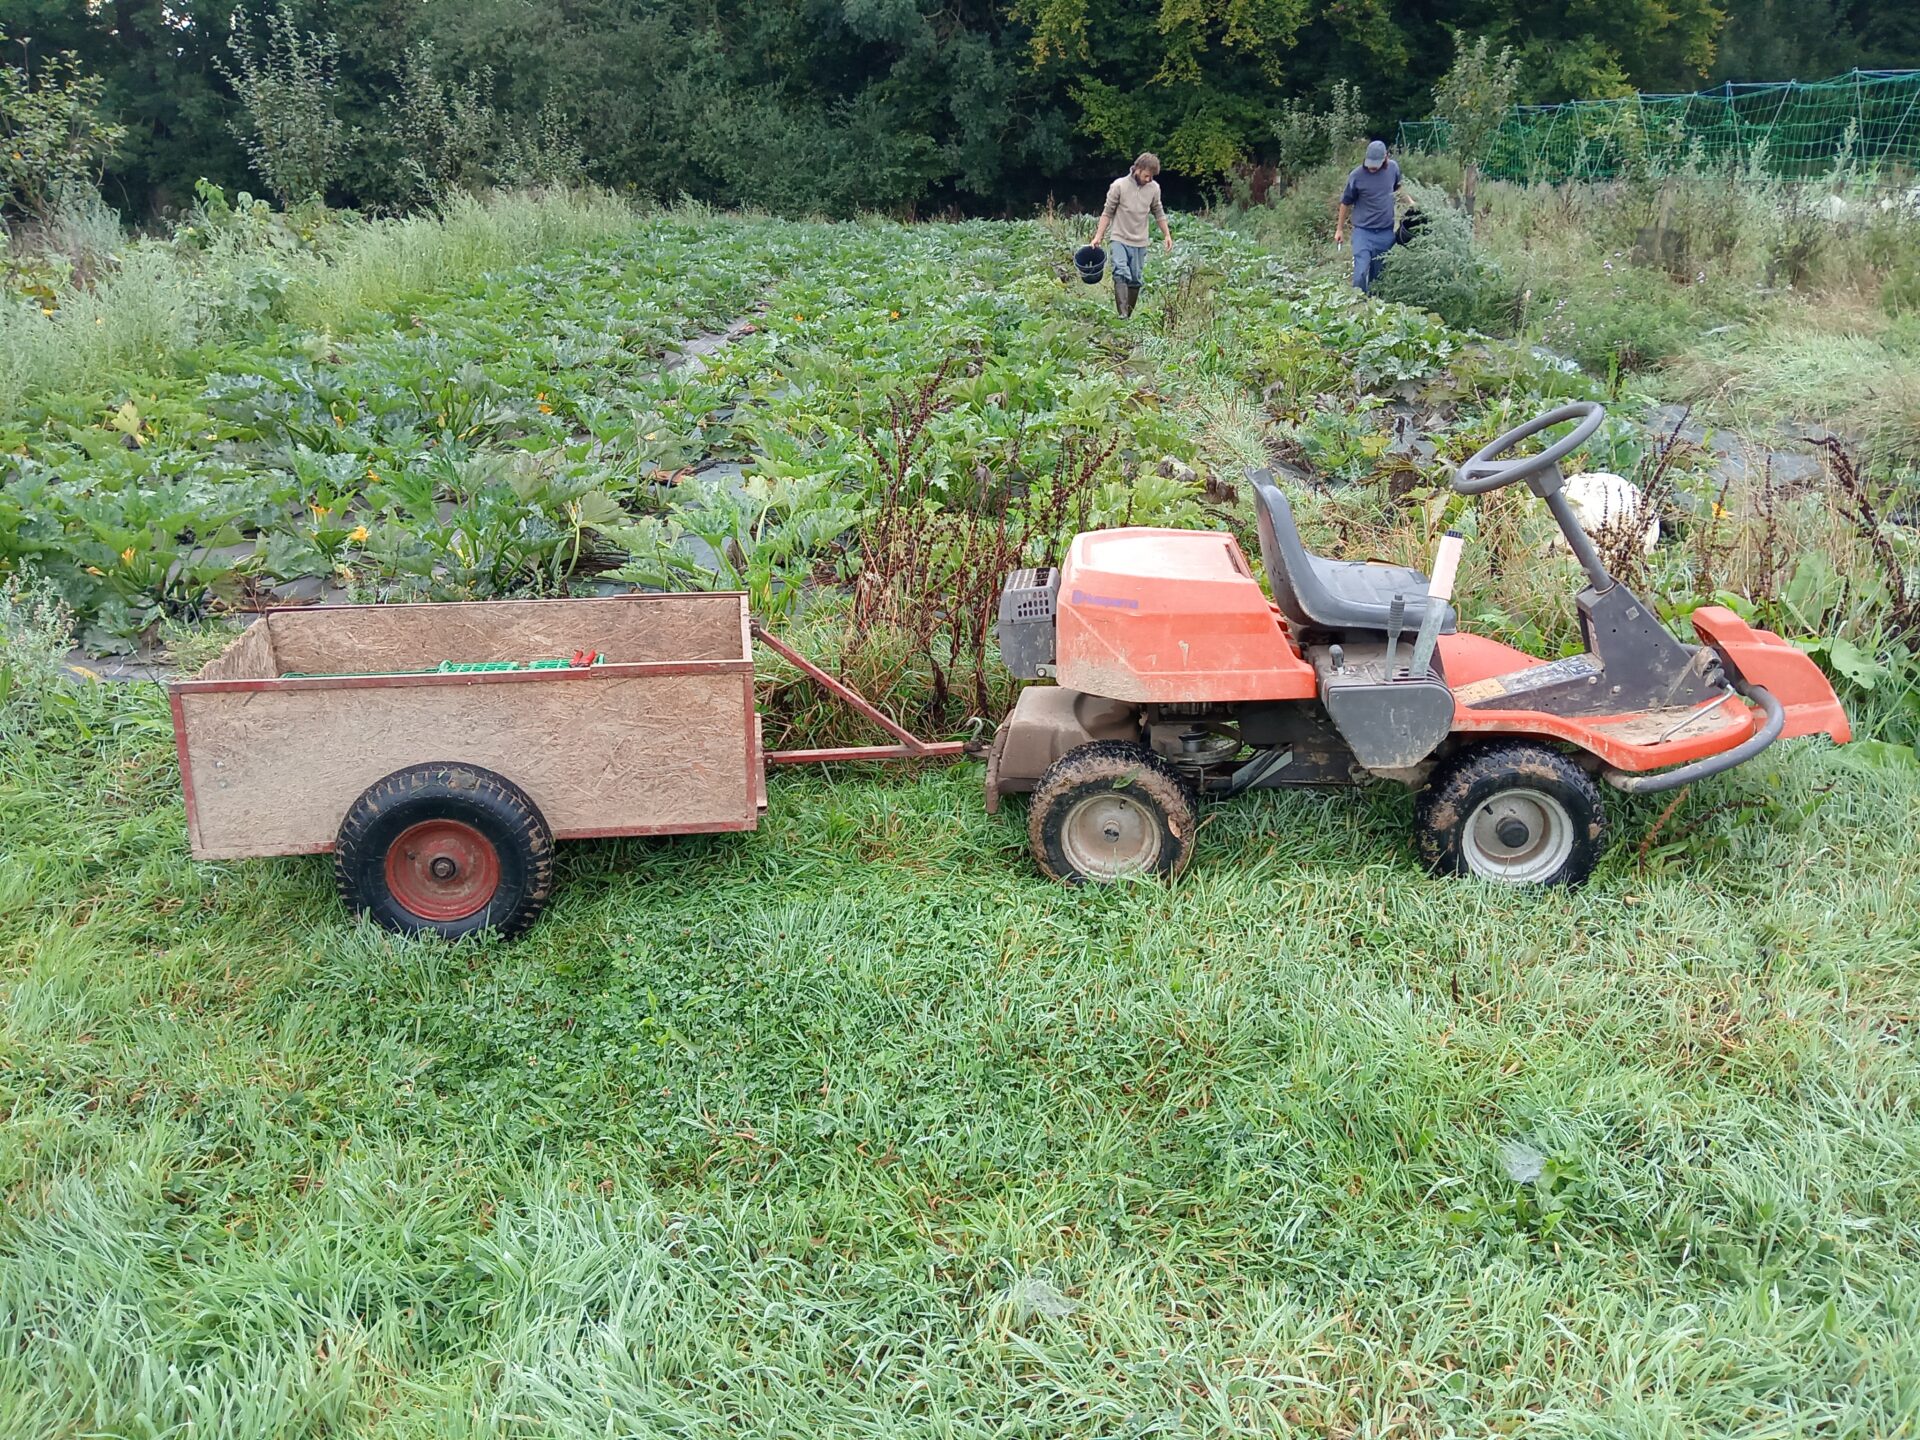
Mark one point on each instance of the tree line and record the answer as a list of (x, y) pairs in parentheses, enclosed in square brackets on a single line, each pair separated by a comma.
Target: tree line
[(826, 106)]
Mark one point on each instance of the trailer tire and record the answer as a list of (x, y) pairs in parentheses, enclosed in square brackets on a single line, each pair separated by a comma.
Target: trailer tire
[(1110, 810), (1515, 814), (445, 849)]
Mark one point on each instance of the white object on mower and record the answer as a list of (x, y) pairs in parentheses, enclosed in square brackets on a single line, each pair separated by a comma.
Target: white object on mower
[(1602, 500)]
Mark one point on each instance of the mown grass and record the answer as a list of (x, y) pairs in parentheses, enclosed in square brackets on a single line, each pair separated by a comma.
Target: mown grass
[(856, 1126)]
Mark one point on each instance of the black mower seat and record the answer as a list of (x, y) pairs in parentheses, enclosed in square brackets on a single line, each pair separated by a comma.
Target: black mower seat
[(1316, 593)]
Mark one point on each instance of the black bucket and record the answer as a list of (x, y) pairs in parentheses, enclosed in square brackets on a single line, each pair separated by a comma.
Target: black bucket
[(1091, 262)]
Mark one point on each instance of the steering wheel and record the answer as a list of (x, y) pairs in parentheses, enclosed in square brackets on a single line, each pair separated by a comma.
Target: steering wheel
[(1485, 471)]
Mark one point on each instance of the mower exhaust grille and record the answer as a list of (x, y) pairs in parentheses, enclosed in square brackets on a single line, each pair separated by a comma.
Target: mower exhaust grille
[(1028, 600)]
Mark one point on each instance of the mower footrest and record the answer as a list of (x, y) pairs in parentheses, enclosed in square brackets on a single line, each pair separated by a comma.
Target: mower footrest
[(1513, 691)]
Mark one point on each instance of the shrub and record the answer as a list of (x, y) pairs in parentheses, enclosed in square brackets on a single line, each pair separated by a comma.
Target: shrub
[(294, 137), (1305, 137), (36, 629), (1300, 216), (546, 152), (1431, 168), (52, 136), (1632, 319), (1900, 293), (444, 132), (1443, 271)]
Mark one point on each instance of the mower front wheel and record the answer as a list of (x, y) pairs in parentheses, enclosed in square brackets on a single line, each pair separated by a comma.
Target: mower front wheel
[(1108, 811), (1518, 814)]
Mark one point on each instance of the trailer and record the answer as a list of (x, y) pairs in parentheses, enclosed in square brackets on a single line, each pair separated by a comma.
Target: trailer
[(437, 751)]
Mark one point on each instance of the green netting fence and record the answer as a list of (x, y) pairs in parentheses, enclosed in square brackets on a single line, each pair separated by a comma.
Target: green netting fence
[(1868, 120)]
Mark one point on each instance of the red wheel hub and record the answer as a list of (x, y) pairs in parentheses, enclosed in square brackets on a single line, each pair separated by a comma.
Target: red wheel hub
[(442, 869)]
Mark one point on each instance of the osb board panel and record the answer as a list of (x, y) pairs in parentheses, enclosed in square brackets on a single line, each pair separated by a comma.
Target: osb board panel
[(249, 657), (382, 639), (273, 772)]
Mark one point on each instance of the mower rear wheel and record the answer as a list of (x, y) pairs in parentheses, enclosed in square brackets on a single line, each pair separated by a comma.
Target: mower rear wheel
[(1108, 811), (445, 849), (1518, 814)]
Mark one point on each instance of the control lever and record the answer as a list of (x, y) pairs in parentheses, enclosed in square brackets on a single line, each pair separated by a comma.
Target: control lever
[(1396, 619), (1439, 592)]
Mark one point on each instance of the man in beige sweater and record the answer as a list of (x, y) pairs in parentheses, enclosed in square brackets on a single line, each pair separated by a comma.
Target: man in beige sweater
[(1131, 201)]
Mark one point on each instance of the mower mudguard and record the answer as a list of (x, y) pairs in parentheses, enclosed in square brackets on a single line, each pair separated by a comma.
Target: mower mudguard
[(1048, 721), (1762, 658), (1388, 724)]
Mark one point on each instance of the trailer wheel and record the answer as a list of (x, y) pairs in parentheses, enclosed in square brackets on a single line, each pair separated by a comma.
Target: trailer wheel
[(445, 849), (1518, 814), (1110, 810)]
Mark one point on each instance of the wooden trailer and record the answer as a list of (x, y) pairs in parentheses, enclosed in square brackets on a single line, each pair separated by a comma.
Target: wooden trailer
[(441, 790)]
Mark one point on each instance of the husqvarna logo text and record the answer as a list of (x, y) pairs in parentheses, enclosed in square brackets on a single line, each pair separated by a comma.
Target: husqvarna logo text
[(1112, 602)]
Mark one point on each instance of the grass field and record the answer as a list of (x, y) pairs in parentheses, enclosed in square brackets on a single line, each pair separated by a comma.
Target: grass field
[(856, 1126)]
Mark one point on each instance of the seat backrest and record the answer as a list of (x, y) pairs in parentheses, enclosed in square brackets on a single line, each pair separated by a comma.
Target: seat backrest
[(1281, 549)]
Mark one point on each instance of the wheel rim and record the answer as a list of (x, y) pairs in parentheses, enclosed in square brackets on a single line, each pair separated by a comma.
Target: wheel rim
[(1110, 835), (442, 870), (1519, 836)]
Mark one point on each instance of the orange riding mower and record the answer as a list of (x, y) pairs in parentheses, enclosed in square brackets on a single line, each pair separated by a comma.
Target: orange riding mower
[(1177, 680)]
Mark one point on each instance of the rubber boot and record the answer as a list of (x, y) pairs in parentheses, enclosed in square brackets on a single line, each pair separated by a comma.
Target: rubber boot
[(1133, 299), (1119, 297)]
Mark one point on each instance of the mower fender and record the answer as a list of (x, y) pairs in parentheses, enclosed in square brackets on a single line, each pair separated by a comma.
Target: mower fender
[(1048, 721), (1760, 657), (1388, 724)]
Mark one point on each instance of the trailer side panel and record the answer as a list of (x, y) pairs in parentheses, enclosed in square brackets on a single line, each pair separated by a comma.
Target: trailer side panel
[(274, 770)]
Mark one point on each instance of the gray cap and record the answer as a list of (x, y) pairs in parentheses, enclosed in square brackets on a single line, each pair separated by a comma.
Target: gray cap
[(1376, 155)]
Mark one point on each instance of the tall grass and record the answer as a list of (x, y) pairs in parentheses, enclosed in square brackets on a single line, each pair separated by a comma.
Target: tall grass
[(138, 316), (375, 265), (1865, 383), (1785, 299), (143, 307)]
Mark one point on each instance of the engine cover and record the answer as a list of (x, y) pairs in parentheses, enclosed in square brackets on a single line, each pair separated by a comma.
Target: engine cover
[(1166, 617)]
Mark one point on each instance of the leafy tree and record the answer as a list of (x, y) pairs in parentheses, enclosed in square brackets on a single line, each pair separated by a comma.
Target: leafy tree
[(1570, 52), (290, 123), (545, 151), (1812, 39), (155, 60), (444, 133), (841, 105), (1198, 80), (1473, 99), (52, 134)]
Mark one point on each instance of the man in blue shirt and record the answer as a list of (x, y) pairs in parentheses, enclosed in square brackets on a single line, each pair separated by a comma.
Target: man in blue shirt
[(1372, 193)]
